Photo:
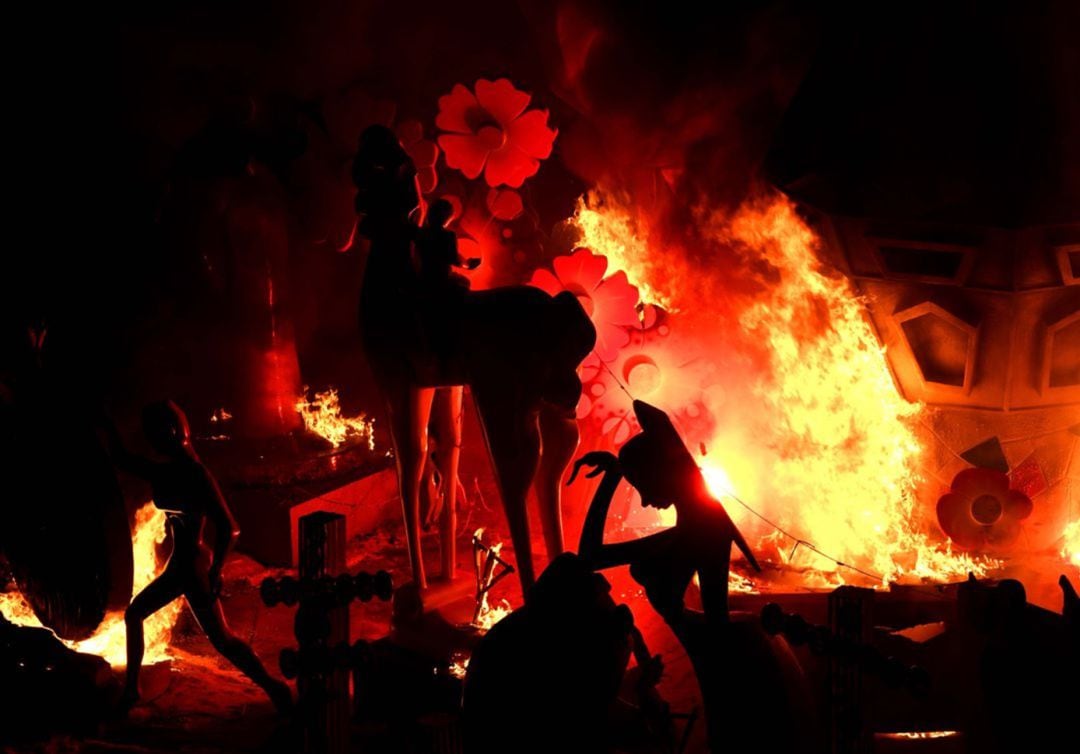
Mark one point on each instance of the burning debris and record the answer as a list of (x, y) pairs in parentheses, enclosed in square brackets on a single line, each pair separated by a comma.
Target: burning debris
[(322, 416), (108, 641)]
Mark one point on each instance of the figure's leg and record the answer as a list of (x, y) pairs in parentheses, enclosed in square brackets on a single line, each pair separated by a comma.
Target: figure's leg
[(448, 417), (157, 594), (208, 612), (513, 439), (559, 441), (410, 409)]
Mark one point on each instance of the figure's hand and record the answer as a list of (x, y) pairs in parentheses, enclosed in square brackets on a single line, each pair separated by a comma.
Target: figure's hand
[(472, 263), (601, 460)]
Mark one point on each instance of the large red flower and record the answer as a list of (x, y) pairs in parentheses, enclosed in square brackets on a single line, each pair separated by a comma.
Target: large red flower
[(611, 302), (491, 132), (980, 512)]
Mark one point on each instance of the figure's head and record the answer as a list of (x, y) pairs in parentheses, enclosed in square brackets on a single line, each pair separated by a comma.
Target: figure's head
[(656, 462), (377, 143), (440, 213), (166, 427)]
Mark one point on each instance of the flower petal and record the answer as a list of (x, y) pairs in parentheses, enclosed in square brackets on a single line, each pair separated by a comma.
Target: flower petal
[(452, 110), (545, 281), (464, 152), (954, 517), (510, 166), (1018, 506), (505, 204), (976, 482), (609, 339), (615, 301), (582, 269), (502, 99), (530, 134), (409, 132)]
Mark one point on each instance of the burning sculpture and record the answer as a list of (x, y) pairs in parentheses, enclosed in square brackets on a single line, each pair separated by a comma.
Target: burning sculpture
[(517, 348), (966, 253)]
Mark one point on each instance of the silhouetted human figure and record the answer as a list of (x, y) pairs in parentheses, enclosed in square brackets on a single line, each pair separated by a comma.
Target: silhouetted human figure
[(387, 201), (734, 661), (437, 248), (545, 678), (185, 489), (516, 347), (442, 289)]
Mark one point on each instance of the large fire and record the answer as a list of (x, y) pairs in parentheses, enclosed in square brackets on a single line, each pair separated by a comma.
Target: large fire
[(322, 416), (108, 641), (1070, 551), (803, 422)]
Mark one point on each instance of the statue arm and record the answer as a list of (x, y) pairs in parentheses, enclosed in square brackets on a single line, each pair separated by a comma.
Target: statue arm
[(591, 546)]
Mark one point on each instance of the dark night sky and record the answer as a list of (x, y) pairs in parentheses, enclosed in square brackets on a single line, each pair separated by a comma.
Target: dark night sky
[(101, 106)]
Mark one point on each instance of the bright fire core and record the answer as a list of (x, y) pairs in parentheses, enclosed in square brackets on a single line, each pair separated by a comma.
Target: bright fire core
[(109, 639), (802, 419)]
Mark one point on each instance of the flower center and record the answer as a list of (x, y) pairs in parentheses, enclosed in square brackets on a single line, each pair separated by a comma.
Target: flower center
[(986, 510), (642, 375), (492, 137)]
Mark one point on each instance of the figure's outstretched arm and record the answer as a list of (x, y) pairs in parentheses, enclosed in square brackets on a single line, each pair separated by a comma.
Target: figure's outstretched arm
[(124, 459), (591, 546), (225, 528)]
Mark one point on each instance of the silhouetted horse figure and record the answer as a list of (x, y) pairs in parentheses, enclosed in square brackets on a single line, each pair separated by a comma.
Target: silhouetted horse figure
[(516, 347)]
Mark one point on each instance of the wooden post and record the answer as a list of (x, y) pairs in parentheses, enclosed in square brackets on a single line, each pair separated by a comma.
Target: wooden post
[(850, 619), (323, 692)]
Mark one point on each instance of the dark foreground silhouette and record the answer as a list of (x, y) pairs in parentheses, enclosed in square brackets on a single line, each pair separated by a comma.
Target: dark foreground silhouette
[(184, 488)]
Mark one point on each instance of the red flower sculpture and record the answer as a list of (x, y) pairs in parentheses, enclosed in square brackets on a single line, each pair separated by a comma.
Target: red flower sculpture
[(491, 132), (610, 302), (980, 512)]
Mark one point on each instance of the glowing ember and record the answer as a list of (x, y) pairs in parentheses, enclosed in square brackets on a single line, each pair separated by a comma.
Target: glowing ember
[(221, 415), (1070, 550), (459, 665), (803, 417), (108, 641), (492, 614), (918, 735), (322, 416)]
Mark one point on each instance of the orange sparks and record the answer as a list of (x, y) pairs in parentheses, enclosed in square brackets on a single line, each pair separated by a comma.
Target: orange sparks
[(322, 416), (108, 641)]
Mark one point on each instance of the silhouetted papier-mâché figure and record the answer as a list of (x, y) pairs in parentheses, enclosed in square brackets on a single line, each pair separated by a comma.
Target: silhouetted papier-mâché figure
[(517, 348), (741, 672), (187, 492)]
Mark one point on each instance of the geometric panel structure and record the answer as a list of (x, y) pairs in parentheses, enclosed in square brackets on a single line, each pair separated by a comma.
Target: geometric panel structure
[(942, 344), (1062, 357)]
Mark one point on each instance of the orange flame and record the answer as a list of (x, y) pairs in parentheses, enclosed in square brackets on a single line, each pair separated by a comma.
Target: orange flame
[(322, 416), (1070, 550), (819, 439), (108, 641)]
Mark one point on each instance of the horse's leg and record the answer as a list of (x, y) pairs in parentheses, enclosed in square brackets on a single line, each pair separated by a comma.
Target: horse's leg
[(513, 439), (559, 438), (447, 417), (410, 409)]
